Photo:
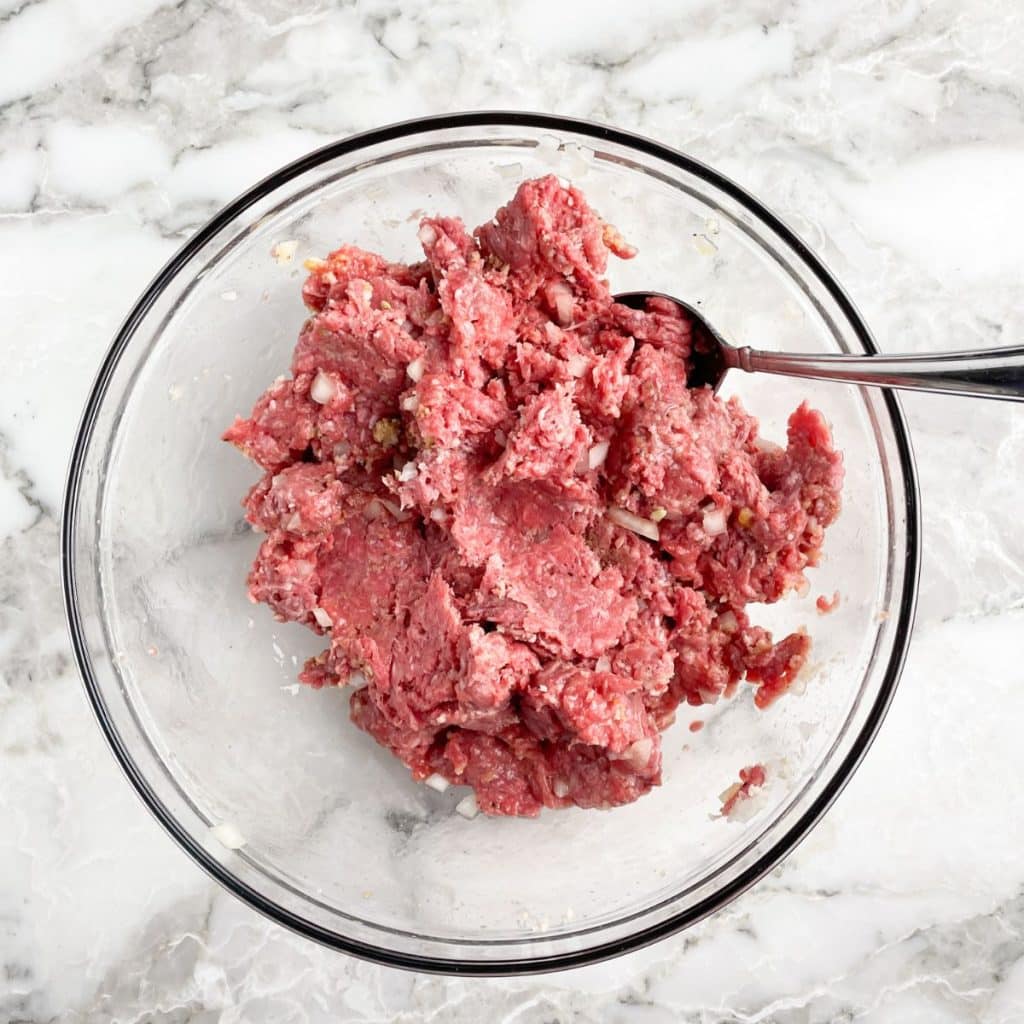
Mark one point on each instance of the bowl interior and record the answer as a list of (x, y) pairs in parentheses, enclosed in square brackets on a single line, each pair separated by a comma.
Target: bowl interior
[(198, 686)]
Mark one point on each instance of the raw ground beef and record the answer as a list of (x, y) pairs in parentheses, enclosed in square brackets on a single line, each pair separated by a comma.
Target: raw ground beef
[(525, 541)]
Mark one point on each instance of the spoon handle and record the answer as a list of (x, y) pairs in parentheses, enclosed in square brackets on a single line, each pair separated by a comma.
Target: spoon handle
[(984, 373)]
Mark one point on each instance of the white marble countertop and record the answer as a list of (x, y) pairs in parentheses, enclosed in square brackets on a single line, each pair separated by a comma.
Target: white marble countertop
[(890, 133)]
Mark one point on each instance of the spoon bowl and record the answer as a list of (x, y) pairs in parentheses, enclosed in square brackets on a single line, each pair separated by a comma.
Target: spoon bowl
[(711, 355)]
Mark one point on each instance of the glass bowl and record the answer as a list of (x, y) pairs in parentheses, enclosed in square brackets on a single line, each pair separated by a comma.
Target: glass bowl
[(195, 687)]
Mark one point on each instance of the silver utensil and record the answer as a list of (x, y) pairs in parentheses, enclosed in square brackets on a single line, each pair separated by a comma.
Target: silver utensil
[(983, 373)]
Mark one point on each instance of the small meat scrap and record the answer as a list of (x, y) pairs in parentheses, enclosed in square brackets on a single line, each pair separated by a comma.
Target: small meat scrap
[(525, 541), (751, 779)]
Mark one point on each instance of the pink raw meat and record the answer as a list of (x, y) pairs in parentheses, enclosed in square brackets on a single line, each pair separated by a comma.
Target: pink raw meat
[(489, 487)]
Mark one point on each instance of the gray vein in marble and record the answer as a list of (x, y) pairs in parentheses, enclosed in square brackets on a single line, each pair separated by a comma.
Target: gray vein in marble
[(24, 485)]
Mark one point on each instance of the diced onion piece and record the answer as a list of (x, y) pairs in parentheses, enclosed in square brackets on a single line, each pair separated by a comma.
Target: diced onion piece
[(598, 453), (324, 620), (728, 794), (294, 522), (638, 754), (415, 369), (714, 522), (727, 622), (560, 788), (467, 806), (408, 472), (228, 835), (427, 235), (284, 252), (577, 160), (704, 245), (612, 238), (745, 810), (510, 171), (658, 514), (361, 291), (438, 515), (577, 365), (410, 403), (437, 782), (548, 145), (323, 388), (357, 680), (603, 664), (639, 525), (559, 294)]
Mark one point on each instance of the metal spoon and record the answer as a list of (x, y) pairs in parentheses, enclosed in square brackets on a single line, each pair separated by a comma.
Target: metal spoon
[(983, 373)]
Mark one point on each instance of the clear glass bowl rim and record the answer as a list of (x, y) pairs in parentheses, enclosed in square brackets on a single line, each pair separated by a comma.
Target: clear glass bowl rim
[(512, 965)]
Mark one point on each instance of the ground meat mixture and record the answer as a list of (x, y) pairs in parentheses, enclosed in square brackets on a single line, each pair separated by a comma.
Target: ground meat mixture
[(524, 539)]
